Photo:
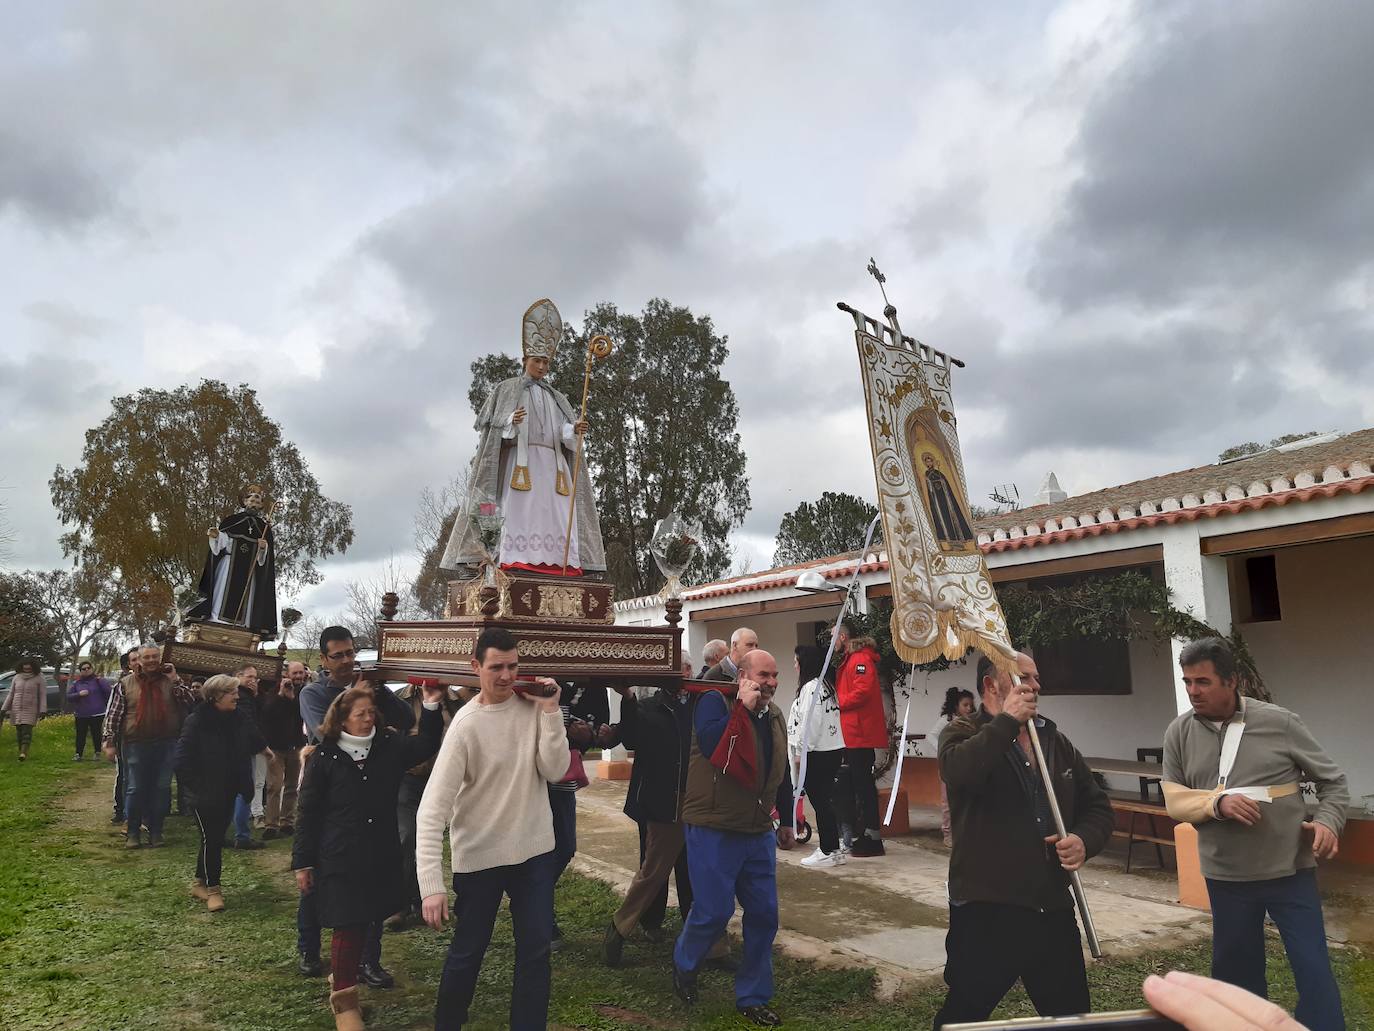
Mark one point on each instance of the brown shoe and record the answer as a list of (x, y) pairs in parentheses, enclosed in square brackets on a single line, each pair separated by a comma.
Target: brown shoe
[(214, 899), (199, 891), (348, 1016)]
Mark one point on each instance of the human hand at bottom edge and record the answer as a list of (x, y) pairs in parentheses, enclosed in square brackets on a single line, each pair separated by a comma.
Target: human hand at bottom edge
[(1205, 1004)]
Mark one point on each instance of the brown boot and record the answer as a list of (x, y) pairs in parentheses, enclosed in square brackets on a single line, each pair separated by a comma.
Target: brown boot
[(199, 891), (214, 899), (348, 1016)]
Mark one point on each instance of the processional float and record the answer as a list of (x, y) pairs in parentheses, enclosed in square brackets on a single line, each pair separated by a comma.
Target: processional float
[(943, 600)]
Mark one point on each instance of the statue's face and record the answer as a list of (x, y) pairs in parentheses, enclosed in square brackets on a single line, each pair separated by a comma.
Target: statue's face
[(536, 368), (253, 500), (929, 461)]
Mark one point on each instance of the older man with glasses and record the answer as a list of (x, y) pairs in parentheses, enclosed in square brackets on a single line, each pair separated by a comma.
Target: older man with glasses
[(337, 655)]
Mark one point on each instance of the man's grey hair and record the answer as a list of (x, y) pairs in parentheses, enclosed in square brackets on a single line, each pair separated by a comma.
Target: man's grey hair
[(149, 646), (734, 638), (714, 651), (1209, 649)]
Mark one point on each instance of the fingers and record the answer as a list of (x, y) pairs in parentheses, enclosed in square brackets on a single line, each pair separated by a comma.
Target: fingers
[(1201, 1002)]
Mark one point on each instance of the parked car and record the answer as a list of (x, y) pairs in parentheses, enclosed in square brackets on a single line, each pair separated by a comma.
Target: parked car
[(54, 691)]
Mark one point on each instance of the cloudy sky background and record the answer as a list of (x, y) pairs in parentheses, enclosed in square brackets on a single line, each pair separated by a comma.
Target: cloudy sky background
[(1146, 229)]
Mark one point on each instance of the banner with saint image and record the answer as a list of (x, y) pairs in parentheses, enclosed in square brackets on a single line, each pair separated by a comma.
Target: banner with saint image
[(943, 599)]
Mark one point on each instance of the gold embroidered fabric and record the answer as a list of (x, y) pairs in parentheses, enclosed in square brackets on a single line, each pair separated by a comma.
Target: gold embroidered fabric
[(943, 599)]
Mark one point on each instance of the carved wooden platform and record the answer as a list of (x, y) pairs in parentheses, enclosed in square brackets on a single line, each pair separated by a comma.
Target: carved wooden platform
[(210, 648), (586, 652), (529, 596)]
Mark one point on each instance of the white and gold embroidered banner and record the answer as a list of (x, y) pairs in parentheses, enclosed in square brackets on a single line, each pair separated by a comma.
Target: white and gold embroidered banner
[(943, 602)]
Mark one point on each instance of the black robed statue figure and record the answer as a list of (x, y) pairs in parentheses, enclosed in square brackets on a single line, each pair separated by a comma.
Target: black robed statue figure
[(239, 583)]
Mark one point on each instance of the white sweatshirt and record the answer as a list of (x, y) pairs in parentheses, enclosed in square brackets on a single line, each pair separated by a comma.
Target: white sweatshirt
[(489, 785)]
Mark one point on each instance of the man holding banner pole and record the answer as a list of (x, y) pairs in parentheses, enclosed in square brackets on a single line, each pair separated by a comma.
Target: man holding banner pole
[(1011, 912)]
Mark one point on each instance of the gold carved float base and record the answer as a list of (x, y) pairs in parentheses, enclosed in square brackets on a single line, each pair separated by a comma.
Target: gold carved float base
[(587, 652), (529, 596), (206, 649)]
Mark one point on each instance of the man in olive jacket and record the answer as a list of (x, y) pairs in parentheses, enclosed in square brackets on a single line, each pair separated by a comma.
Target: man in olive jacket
[(1011, 911), (730, 835)]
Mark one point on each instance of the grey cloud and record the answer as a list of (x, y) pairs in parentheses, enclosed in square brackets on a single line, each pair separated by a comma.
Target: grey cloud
[(1232, 148), (66, 321)]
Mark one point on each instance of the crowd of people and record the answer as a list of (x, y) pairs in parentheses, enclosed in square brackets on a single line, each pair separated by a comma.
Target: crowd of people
[(366, 781)]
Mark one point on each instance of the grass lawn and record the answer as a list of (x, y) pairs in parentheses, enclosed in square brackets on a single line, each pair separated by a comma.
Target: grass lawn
[(94, 937)]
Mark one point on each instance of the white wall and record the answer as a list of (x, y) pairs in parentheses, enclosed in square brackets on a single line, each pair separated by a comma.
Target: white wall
[(778, 635), (1316, 659)]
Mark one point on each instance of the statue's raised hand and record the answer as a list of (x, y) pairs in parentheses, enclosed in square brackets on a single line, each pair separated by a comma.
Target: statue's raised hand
[(517, 416)]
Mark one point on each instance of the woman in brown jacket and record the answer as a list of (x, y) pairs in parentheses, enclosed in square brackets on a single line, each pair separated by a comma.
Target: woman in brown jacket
[(27, 700)]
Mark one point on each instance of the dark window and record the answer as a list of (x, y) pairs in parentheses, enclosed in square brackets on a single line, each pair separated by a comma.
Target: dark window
[(1262, 579), (1084, 666)]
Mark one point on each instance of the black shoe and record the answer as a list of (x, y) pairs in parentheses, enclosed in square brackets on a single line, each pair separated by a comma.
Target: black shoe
[(270, 834), (612, 945), (375, 976), (685, 985), (155, 841), (763, 1016), (118, 818), (286, 830), (654, 933), (309, 965), (867, 848), (248, 845), (725, 964)]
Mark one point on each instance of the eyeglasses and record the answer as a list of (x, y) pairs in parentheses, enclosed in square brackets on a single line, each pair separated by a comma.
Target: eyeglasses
[(341, 655)]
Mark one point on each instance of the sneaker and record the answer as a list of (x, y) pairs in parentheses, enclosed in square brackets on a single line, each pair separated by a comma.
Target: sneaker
[(867, 848), (118, 818), (612, 946), (131, 841), (763, 1016), (77, 758), (822, 859)]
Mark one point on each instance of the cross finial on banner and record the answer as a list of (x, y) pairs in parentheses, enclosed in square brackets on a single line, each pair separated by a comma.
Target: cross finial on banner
[(889, 311)]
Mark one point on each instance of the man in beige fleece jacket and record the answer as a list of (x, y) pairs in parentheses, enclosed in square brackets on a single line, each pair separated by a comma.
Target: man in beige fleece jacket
[(489, 785), (1233, 767)]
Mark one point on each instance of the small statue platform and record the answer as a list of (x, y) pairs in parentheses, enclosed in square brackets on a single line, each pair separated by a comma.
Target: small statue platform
[(202, 648), (565, 628)]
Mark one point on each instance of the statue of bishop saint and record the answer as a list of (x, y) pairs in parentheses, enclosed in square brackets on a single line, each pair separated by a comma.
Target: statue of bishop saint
[(528, 439)]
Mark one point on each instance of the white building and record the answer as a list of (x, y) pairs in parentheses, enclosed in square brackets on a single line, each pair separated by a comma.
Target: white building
[(1280, 544)]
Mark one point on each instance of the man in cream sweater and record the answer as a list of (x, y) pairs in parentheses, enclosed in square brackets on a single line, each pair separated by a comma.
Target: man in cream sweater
[(489, 785)]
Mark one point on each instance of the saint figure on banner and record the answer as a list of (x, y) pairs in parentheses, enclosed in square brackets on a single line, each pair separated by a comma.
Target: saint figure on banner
[(528, 438), (239, 582), (946, 512)]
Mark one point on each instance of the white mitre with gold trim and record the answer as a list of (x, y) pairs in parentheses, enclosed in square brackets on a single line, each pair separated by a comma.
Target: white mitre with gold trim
[(541, 329)]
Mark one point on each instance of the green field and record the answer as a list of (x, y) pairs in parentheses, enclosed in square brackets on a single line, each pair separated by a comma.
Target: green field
[(93, 937)]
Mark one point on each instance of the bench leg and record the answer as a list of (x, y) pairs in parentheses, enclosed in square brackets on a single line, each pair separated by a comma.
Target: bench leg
[(1154, 833), (1130, 841)]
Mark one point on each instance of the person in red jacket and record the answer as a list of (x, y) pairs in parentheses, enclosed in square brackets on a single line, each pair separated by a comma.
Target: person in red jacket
[(863, 722)]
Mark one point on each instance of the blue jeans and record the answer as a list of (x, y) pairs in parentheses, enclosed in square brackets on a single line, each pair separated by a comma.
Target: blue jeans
[(148, 780), (1238, 909), (725, 866), (243, 819), (530, 887)]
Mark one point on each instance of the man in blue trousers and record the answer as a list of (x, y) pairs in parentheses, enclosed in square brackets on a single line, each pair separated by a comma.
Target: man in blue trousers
[(738, 773)]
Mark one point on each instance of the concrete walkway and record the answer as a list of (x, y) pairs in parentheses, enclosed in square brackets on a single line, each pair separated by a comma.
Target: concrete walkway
[(890, 913)]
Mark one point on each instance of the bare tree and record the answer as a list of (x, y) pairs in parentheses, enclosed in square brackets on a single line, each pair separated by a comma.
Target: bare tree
[(364, 602), (435, 508), (85, 606)]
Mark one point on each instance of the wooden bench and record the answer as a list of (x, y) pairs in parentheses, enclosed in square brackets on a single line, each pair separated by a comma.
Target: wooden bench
[(1137, 809)]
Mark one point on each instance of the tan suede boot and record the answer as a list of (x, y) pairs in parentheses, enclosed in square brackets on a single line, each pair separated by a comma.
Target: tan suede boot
[(214, 899), (348, 1015), (199, 891)]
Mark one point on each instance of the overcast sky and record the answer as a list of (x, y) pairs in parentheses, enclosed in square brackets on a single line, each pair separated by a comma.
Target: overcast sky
[(1146, 229)]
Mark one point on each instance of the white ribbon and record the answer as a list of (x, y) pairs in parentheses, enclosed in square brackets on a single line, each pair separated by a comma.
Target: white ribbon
[(901, 754)]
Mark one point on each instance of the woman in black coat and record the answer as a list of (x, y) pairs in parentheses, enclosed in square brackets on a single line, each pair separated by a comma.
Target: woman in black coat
[(347, 848), (212, 760)]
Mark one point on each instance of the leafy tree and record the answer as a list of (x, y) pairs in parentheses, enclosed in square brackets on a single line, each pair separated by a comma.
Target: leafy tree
[(662, 438), (25, 632), (83, 606), (832, 525), (1252, 447), (165, 465)]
